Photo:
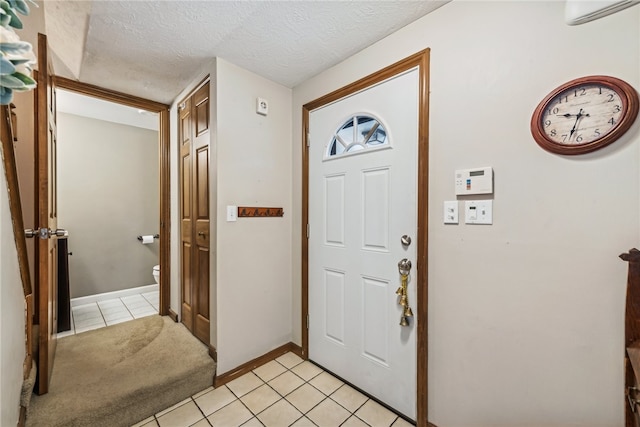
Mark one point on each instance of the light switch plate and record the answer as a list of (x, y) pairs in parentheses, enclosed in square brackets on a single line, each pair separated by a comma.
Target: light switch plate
[(232, 213), (451, 212), (478, 212)]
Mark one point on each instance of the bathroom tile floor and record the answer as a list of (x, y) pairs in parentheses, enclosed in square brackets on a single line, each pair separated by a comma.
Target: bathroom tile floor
[(284, 392), (107, 312)]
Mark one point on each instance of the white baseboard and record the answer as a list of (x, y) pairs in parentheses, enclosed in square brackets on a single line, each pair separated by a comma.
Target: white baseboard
[(115, 294)]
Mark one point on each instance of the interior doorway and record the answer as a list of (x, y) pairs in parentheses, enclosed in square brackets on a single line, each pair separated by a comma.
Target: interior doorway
[(108, 198), (161, 232)]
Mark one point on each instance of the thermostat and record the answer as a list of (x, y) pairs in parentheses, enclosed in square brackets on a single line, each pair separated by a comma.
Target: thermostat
[(474, 181)]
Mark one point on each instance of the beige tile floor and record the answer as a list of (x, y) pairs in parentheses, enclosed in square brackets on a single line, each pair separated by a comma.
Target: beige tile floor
[(109, 311), (284, 392)]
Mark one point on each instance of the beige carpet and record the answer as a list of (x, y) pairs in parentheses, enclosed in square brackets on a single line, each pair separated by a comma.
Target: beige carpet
[(122, 374)]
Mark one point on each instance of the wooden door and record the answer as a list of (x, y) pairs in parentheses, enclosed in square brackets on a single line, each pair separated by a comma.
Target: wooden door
[(362, 201), (185, 130), (46, 204), (194, 212)]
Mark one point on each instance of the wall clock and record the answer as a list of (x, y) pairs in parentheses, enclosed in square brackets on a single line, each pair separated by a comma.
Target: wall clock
[(584, 114)]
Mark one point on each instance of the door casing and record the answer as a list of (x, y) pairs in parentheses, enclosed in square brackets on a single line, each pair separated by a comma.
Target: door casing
[(420, 60)]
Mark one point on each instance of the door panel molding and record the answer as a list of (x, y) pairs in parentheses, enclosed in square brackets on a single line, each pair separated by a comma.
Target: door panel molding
[(164, 159), (419, 60)]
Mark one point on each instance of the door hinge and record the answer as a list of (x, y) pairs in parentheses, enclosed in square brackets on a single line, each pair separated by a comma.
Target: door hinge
[(308, 231), (307, 321), (308, 139)]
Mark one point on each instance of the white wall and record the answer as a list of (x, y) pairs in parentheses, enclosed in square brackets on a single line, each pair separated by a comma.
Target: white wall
[(254, 254), (108, 194), (12, 315), (525, 316)]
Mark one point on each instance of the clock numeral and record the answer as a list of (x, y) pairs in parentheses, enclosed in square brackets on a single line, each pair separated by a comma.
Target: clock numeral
[(612, 121), (553, 132), (611, 96), (580, 92), (553, 111), (617, 109), (565, 97), (564, 137), (597, 133), (547, 123), (579, 138)]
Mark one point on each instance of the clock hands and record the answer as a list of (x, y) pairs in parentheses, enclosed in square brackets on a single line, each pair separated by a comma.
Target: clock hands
[(575, 124), (573, 129), (566, 116)]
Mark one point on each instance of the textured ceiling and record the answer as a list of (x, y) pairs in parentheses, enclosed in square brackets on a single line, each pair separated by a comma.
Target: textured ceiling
[(153, 49)]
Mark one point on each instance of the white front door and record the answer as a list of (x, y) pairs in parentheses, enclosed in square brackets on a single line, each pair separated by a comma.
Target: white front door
[(363, 160)]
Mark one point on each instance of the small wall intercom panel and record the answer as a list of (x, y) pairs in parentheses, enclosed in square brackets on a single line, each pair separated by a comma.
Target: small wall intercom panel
[(474, 181)]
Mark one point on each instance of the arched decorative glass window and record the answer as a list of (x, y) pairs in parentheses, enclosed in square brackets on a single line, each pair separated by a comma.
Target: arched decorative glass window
[(359, 132)]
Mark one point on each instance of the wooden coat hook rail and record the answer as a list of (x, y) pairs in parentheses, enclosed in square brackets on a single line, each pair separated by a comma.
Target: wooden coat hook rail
[(251, 211)]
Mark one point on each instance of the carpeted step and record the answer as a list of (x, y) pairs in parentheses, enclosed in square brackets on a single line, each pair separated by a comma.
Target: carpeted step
[(122, 374)]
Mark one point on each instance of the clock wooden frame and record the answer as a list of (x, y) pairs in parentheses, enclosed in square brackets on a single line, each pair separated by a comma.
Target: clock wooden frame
[(630, 103)]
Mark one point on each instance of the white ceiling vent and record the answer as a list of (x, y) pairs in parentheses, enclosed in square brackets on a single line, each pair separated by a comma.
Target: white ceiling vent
[(580, 11)]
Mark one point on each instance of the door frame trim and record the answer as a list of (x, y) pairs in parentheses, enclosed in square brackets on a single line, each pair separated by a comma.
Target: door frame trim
[(421, 61), (164, 163)]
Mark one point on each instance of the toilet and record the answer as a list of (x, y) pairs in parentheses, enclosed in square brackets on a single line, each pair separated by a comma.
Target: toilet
[(156, 273)]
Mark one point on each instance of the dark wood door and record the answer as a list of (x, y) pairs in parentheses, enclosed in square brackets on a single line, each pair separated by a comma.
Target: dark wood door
[(47, 247), (185, 131), (194, 212)]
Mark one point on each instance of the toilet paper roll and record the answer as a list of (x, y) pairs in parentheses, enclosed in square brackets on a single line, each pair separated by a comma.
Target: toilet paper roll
[(147, 239)]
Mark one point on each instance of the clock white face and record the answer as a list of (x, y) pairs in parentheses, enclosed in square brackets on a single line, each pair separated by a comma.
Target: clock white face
[(582, 114)]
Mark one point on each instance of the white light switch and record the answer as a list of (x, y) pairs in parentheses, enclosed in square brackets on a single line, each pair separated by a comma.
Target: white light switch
[(451, 212), (232, 213), (478, 212)]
